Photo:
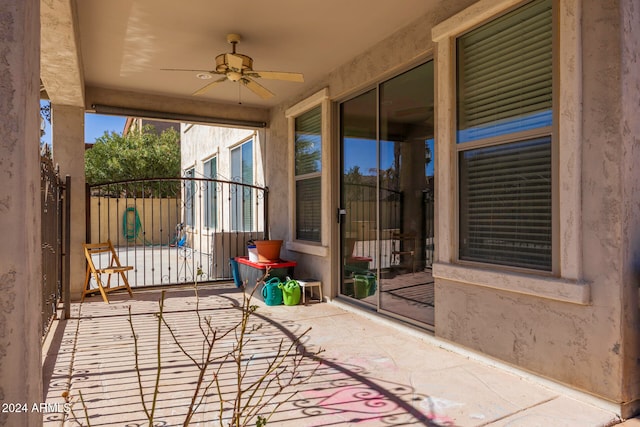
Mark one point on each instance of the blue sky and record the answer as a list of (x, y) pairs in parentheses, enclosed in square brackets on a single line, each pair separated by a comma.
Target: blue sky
[(362, 152), (95, 125)]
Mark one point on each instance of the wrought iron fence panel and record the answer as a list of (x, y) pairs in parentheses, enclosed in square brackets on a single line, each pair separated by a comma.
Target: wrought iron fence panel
[(177, 230), (51, 193)]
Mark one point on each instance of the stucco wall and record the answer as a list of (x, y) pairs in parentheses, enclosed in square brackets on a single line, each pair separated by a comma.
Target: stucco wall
[(582, 345), (201, 142), (408, 46), (630, 137), (277, 177), (68, 137), (20, 253), (593, 346)]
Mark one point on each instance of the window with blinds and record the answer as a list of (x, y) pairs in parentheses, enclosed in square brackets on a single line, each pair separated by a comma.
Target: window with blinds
[(505, 81), (505, 74), (506, 217), (308, 169), (308, 208)]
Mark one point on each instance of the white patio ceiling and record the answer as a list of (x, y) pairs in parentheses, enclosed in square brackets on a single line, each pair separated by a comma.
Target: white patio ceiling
[(123, 45)]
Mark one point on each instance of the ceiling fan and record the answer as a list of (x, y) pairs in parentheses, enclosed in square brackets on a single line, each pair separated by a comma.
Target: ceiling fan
[(236, 67)]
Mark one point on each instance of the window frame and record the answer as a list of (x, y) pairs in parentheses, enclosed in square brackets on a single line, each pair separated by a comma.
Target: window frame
[(190, 206), (320, 248), (304, 177), (564, 282), (243, 227), (504, 140), (210, 209)]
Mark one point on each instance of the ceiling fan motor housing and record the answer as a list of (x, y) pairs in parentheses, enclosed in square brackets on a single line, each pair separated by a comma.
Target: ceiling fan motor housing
[(222, 63)]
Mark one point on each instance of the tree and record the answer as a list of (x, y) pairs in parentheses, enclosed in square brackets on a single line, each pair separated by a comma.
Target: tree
[(137, 155), (264, 381)]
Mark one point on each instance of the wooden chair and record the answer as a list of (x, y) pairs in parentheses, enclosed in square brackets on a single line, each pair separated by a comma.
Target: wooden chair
[(403, 245), (114, 267)]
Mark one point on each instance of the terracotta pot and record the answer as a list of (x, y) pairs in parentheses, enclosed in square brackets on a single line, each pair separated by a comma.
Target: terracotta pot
[(268, 250)]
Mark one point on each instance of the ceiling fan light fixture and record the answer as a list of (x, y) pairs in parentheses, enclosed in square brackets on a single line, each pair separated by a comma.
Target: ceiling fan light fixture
[(234, 76)]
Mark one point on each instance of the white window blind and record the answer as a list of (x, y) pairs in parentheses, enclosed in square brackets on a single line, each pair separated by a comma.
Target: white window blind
[(506, 212), (308, 209), (505, 74)]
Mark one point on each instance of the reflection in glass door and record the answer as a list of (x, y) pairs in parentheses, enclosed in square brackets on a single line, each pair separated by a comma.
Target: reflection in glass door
[(387, 196), (359, 193)]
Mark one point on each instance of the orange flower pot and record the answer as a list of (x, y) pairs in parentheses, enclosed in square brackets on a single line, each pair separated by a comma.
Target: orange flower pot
[(268, 250)]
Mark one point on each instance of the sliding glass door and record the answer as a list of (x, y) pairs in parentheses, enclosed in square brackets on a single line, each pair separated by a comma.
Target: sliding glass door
[(359, 196), (386, 215)]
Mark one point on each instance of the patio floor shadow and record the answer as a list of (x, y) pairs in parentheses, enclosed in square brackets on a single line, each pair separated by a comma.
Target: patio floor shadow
[(368, 374)]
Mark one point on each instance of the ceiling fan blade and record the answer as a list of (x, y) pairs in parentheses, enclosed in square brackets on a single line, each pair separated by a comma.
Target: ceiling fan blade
[(206, 87), (257, 88), (234, 62), (278, 75)]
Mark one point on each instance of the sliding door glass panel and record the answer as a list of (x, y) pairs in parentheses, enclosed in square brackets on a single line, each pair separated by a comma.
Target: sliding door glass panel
[(405, 194), (358, 137), (387, 204)]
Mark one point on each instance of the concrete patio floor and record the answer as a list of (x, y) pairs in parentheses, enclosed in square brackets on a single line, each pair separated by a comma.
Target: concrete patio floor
[(372, 372)]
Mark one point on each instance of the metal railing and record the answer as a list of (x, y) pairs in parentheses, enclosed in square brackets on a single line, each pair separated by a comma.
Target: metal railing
[(366, 204), (54, 234), (177, 230)]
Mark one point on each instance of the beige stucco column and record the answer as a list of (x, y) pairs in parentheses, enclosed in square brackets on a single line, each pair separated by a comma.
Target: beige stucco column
[(68, 151), (630, 211), (20, 251)]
